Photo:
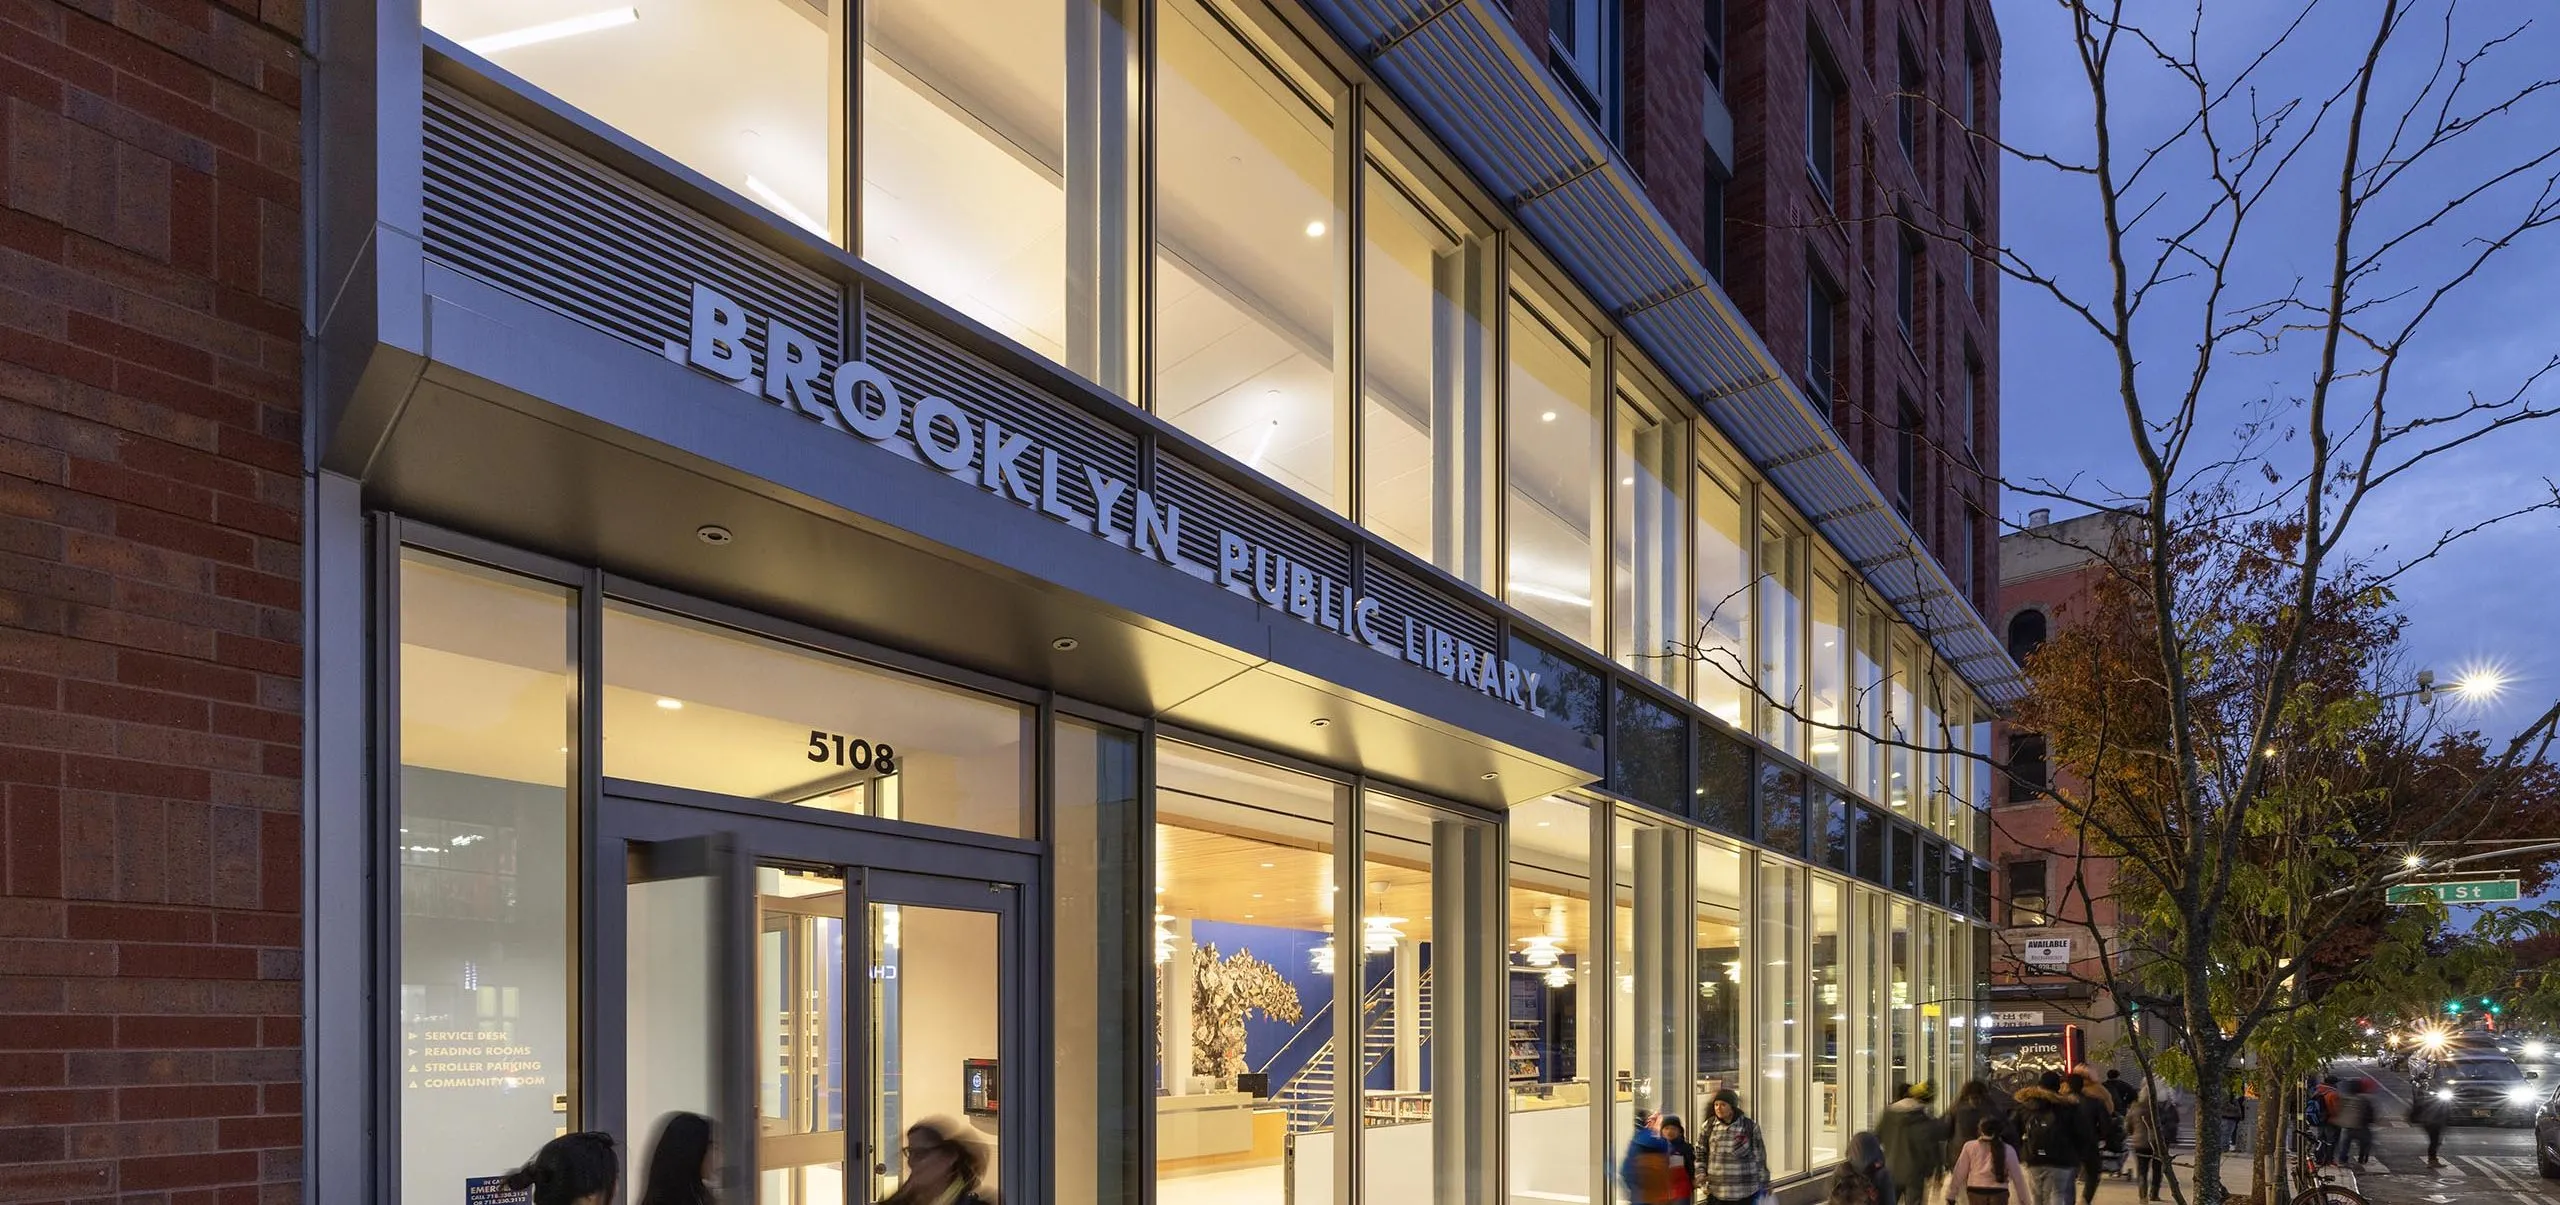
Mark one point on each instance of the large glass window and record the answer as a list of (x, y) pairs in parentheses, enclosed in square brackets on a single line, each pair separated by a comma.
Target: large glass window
[(1426, 440), (741, 91), (1723, 799), (1825, 740), (1830, 1127), (1868, 675), (1103, 1014), (487, 670), (1721, 625), (976, 185), (1781, 634), (1928, 1053), (1645, 539), (1926, 763), (1898, 973), (1649, 754), (1423, 938), (1722, 972), (1780, 964), (1554, 467), (692, 705), (1646, 1059), (1246, 221), (1557, 986), (1899, 724), (1246, 955)]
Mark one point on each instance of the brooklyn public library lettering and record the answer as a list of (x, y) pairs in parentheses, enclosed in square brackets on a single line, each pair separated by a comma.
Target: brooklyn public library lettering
[(860, 400)]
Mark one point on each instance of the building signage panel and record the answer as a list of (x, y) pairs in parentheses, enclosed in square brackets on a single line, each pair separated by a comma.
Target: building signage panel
[(2048, 952), (2022, 1019), (860, 401)]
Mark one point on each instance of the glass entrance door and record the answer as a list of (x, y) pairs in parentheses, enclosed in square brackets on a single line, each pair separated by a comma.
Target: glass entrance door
[(818, 1007)]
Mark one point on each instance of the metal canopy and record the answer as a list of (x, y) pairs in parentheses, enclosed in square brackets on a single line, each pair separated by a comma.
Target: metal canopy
[(1462, 67)]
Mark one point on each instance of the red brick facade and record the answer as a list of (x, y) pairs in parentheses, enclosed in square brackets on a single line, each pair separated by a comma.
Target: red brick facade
[(150, 600), (1778, 224)]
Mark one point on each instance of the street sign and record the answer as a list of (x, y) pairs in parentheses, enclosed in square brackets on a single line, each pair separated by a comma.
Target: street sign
[(2477, 891)]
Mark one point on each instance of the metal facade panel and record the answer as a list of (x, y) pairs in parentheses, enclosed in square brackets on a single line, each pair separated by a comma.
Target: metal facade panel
[(1400, 595), (515, 209), (1209, 507)]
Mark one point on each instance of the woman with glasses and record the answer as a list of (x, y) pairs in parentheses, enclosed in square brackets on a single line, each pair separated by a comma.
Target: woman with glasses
[(945, 1164)]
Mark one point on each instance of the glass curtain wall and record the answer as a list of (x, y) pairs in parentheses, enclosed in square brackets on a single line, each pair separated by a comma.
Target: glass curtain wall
[(1928, 1053), (1646, 1066), (1426, 924), (1867, 673), (1247, 216), (1826, 745), (1828, 1125), (1558, 985), (1429, 296), (487, 670), (1781, 634), (1246, 953), (1721, 624), (1899, 972), (1900, 727), (1553, 451), (1647, 517), (1928, 765), (1721, 969), (1779, 960), (1102, 1013)]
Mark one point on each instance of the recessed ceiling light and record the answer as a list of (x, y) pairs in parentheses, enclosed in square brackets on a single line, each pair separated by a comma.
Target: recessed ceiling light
[(1490, 775), (1315, 230), (713, 534), (1266, 866), (1320, 721), (1548, 417), (1065, 644), (671, 704)]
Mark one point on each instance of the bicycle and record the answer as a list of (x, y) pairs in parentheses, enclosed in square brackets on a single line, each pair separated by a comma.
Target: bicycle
[(2307, 1169)]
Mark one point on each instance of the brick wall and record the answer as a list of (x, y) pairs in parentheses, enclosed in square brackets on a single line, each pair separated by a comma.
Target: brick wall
[(150, 644)]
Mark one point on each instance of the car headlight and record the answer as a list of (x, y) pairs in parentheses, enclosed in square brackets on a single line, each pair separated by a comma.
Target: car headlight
[(2521, 1096), (2535, 1050), (2444, 1094)]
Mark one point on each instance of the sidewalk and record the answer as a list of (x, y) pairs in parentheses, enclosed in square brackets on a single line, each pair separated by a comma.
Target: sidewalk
[(2116, 1190)]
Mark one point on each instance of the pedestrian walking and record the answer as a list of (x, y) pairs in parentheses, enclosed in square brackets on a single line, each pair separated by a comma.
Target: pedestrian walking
[(1974, 1102), (2355, 1124), (2151, 1129), (945, 1165), (2097, 1108), (2053, 1140), (572, 1169), (1862, 1178), (1732, 1162), (2322, 1110), (1660, 1166), (1914, 1145), (2428, 1113), (2120, 1090), (679, 1163), (1987, 1170)]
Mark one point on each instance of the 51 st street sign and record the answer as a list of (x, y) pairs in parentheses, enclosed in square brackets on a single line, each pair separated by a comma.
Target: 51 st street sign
[(2475, 891)]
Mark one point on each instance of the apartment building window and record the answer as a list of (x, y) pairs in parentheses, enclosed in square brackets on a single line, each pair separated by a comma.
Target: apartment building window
[(1583, 37), (2028, 903), (1906, 282), (1973, 248), (1821, 317), (1715, 43), (1967, 414), (1711, 247), (1973, 60), (1907, 102), (2026, 633), (1821, 120), (2029, 777), (1906, 457)]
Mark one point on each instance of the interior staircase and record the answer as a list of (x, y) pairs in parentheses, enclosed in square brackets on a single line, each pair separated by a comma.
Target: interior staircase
[(1308, 1096)]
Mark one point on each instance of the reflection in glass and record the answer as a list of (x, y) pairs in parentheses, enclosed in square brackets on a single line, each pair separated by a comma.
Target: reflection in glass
[(1644, 558), (1722, 623), (1556, 985), (1830, 1009), (487, 669), (1782, 807), (1723, 799), (1554, 463), (799, 1048), (1246, 957), (1781, 635), (1649, 757), (1780, 924), (1246, 225), (1722, 975), (1825, 741), (692, 705), (1427, 444)]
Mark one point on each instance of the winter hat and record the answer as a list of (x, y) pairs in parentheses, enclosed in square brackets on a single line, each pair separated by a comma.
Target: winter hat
[(2050, 1081)]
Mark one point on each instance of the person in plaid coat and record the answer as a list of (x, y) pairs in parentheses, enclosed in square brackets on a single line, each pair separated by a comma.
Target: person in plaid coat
[(1734, 1165)]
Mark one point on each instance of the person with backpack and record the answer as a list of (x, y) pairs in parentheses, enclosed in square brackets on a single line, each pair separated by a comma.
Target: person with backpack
[(1914, 1145), (2355, 1123), (1862, 1178), (2321, 1110), (2105, 1130), (2151, 1128), (2118, 1089), (1986, 1170), (1660, 1167), (1732, 1163), (2054, 1140)]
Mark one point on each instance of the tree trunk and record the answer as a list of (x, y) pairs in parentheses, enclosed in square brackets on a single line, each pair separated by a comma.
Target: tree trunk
[(2213, 1090)]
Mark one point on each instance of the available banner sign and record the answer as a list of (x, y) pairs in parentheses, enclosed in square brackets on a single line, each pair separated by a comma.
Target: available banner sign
[(2048, 952), (861, 401)]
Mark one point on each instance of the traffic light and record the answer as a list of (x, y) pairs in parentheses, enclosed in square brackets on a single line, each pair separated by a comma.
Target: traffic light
[(2453, 1006)]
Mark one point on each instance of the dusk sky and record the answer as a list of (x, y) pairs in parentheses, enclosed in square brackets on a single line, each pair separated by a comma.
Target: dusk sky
[(2489, 600)]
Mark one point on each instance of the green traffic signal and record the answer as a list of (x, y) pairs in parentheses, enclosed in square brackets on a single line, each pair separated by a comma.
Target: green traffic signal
[(2453, 1006)]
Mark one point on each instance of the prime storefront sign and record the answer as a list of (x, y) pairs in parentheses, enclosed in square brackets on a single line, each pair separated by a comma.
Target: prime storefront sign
[(861, 402)]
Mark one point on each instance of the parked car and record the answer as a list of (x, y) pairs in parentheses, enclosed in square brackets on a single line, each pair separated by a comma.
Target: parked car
[(2546, 1139), (2485, 1087)]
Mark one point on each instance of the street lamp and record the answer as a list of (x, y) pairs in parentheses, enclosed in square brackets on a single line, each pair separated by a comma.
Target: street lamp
[(2479, 684)]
